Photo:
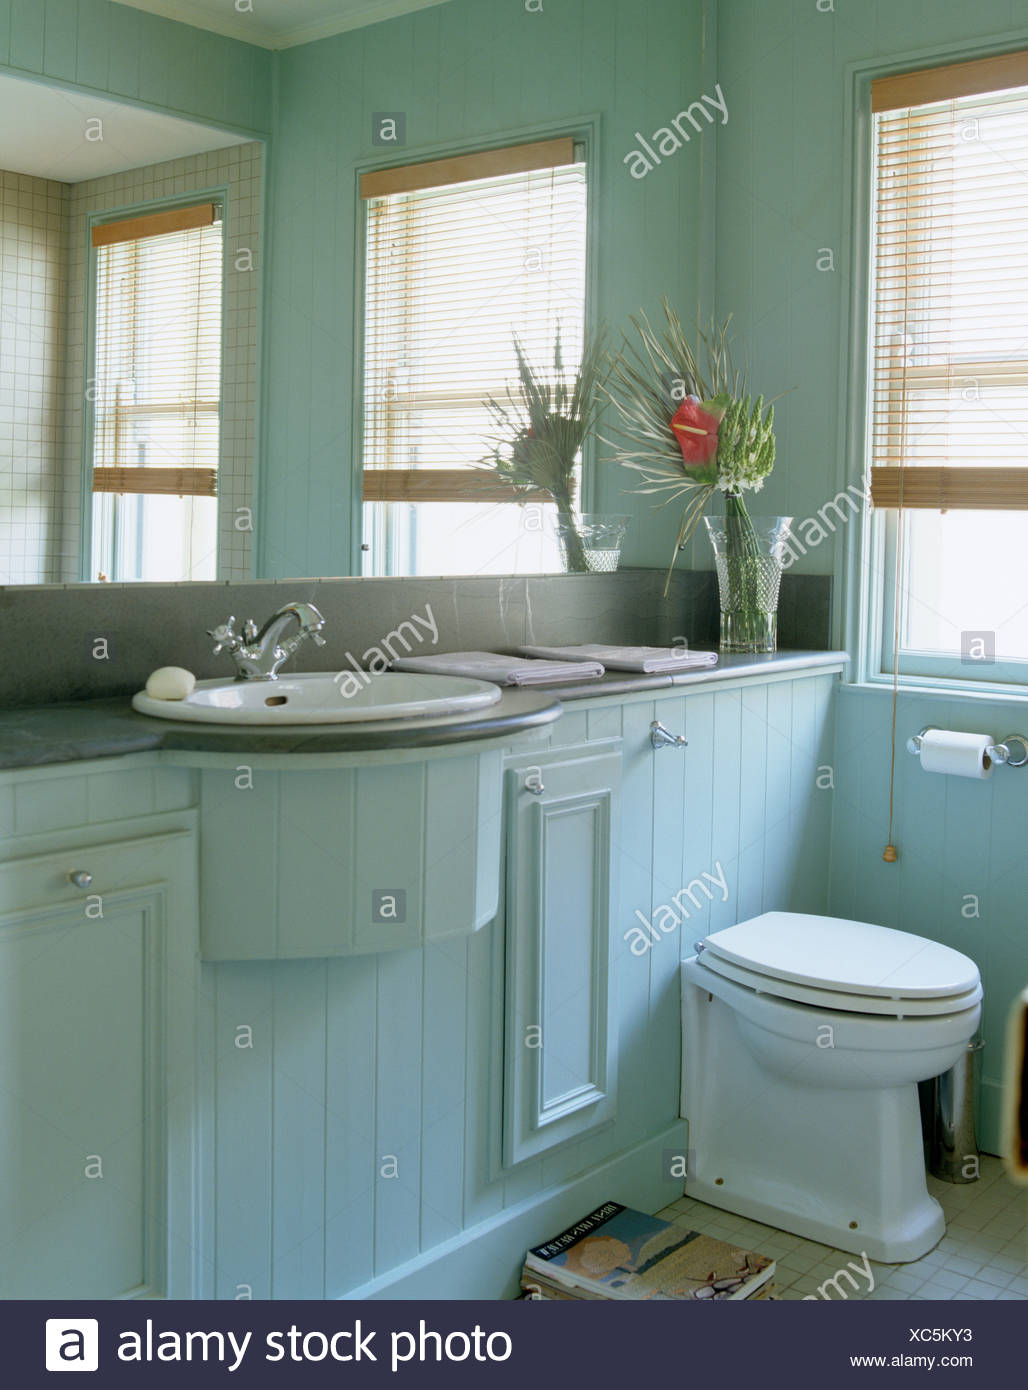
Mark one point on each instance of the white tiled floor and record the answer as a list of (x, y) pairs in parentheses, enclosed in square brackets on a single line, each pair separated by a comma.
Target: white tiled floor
[(983, 1255)]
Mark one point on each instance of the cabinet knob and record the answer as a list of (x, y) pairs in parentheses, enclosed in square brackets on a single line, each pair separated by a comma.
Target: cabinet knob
[(534, 783), (80, 878)]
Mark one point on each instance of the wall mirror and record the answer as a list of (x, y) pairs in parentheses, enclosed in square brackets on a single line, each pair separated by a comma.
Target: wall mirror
[(131, 303), (129, 296)]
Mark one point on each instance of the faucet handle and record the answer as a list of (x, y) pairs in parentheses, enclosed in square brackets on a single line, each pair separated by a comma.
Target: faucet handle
[(311, 621), (225, 636)]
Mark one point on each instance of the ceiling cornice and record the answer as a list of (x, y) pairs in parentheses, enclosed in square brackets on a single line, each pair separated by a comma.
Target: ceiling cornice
[(199, 16), (249, 30)]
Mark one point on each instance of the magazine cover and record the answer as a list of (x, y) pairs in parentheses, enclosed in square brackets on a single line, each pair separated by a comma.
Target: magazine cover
[(616, 1252)]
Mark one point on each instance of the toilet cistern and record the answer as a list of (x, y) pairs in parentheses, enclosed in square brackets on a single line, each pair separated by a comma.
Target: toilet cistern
[(259, 654)]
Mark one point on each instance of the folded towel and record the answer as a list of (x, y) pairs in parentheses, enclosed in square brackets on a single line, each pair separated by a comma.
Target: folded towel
[(502, 670), (646, 659)]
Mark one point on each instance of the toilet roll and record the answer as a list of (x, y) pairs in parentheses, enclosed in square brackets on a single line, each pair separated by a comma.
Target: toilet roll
[(959, 755)]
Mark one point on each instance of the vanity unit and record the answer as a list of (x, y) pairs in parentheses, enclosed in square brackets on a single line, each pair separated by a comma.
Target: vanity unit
[(365, 1010)]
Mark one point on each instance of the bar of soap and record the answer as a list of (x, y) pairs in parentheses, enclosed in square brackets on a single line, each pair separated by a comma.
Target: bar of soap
[(170, 683)]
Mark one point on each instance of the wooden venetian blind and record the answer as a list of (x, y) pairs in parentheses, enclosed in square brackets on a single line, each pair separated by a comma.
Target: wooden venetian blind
[(461, 254), (950, 296), (158, 353)]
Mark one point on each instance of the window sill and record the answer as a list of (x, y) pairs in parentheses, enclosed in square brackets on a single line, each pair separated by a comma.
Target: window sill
[(928, 688)]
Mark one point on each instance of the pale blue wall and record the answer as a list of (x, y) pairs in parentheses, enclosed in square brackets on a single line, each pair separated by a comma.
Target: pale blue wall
[(958, 841), (783, 168), (464, 72), (124, 52)]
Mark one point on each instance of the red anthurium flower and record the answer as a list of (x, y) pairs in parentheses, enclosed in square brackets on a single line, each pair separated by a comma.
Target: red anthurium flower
[(696, 432)]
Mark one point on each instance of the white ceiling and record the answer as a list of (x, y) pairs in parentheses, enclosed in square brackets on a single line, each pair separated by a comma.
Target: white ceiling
[(43, 131), (279, 23)]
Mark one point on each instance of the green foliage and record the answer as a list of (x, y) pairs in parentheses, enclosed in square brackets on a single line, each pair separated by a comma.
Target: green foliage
[(746, 445)]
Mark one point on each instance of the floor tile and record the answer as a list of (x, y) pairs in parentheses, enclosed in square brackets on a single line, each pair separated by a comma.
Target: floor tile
[(977, 1289), (983, 1255)]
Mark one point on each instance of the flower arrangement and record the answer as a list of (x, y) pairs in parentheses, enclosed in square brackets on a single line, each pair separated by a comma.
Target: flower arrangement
[(541, 428), (687, 425), (689, 428)]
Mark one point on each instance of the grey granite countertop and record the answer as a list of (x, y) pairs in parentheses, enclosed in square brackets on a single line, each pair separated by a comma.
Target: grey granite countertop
[(86, 729), (111, 728), (729, 667)]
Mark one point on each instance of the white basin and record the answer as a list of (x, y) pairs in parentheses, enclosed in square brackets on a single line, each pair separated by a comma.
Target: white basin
[(323, 698)]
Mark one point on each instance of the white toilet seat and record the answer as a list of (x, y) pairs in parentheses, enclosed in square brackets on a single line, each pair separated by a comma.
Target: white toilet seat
[(832, 963), (836, 999)]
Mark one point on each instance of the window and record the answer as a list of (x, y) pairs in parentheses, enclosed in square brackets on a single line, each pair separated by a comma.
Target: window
[(461, 255), (157, 396), (949, 340)]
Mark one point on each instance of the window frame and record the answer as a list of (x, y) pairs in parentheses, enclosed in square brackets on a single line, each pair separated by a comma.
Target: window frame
[(124, 212), (585, 132), (865, 565)]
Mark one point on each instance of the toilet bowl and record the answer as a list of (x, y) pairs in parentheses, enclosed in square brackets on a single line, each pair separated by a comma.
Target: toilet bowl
[(804, 1038)]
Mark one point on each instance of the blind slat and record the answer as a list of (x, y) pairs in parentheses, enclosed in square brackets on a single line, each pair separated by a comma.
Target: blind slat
[(486, 164), (953, 488), (154, 224), (440, 485), (157, 386), (950, 290), (165, 482), (452, 273), (930, 85)]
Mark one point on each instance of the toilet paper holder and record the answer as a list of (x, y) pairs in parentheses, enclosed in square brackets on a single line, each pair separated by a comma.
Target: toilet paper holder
[(999, 752)]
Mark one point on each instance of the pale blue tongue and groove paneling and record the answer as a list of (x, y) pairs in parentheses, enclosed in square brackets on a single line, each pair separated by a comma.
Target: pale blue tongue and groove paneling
[(351, 1109), (378, 1078)]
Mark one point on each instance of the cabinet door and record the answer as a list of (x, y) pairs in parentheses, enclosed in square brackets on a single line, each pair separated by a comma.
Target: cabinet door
[(560, 1043), (96, 995)]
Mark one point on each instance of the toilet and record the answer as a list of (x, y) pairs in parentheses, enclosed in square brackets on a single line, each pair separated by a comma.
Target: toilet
[(804, 1038)]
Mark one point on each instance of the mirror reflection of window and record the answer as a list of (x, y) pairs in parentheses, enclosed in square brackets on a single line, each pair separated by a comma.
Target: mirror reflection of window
[(461, 254), (157, 396)]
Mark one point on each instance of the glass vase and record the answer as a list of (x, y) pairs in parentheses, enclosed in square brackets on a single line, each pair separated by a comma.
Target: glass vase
[(748, 554), (591, 544)]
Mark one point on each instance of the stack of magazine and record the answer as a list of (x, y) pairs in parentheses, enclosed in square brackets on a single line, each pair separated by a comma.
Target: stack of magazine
[(616, 1253)]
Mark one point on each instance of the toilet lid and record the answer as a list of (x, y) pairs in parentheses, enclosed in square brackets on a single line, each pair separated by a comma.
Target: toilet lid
[(832, 953), (835, 1000)]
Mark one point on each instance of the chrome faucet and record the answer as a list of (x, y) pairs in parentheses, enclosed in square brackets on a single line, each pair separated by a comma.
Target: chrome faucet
[(259, 654)]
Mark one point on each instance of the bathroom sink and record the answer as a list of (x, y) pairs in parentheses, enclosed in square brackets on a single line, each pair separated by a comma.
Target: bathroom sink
[(323, 698)]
